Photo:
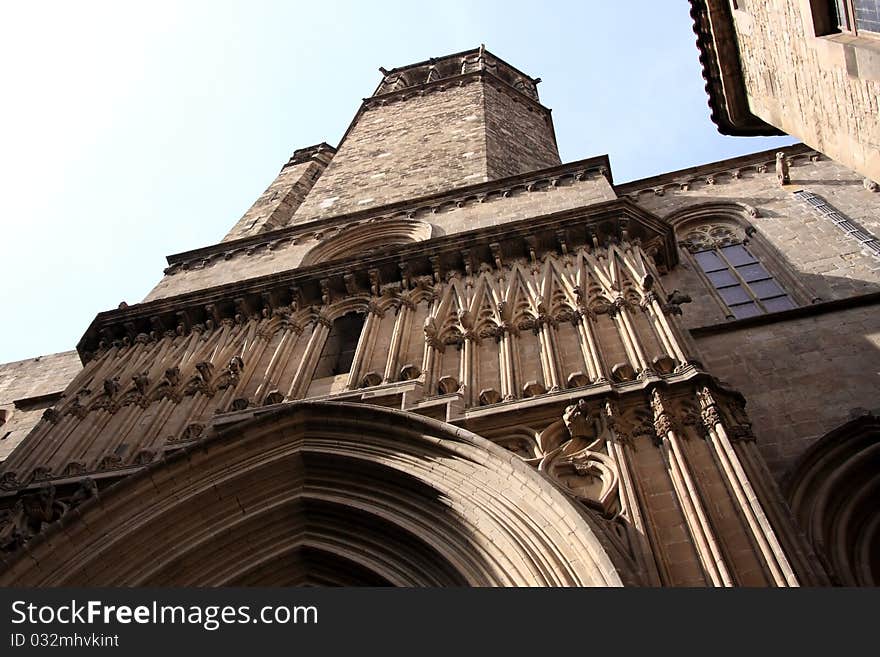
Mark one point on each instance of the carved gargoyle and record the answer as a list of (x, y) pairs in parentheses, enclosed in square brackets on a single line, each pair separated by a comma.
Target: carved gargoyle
[(87, 490), (574, 455), (231, 373), (577, 420), (782, 174), (111, 386), (205, 368), (141, 382), (674, 300), (172, 375)]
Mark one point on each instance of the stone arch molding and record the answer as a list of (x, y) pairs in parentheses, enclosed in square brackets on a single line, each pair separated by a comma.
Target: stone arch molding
[(833, 491), (325, 493), (356, 240)]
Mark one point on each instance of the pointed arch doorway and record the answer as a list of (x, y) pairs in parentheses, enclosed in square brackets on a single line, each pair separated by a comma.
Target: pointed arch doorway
[(323, 493)]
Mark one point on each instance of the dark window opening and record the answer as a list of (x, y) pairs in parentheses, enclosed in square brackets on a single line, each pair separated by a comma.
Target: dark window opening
[(742, 282), (338, 353), (856, 15)]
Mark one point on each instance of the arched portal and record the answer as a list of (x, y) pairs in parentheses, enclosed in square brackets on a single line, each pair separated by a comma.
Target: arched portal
[(833, 491), (316, 493)]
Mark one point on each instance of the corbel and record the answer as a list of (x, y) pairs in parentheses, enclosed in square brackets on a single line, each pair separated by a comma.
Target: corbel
[(350, 283), (375, 281), (495, 248), (326, 295)]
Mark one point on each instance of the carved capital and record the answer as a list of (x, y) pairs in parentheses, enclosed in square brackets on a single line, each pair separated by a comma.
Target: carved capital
[(375, 309), (663, 421), (708, 408)]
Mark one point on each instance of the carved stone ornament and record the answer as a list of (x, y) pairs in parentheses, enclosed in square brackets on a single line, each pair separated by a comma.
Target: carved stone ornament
[(191, 432), (33, 512), (274, 397), (663, 422), (447, 385), (707, 236), (622, 372), (573, 455), (708, 409), (409, 372), (370, 379), (489, 396), (674, 301)]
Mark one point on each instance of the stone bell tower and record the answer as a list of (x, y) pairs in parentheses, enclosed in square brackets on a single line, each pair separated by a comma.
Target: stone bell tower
[(438, 275)]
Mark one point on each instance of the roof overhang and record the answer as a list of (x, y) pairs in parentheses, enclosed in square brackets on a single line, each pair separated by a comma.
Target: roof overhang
[(722, 71)]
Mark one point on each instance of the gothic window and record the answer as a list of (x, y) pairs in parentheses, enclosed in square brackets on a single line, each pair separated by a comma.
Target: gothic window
[(338, 353), (740, 279)]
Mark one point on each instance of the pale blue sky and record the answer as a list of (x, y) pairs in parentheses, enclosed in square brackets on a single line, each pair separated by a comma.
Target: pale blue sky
[(129, 131)]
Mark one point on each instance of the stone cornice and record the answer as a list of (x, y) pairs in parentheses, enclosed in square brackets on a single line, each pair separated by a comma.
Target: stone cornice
[(458, 56), (718, 172), (310, 153), (449, 82), (720, 60), (478, 193), (398, 266)]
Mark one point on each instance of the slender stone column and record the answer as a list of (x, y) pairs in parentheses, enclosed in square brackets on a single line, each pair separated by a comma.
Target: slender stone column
[(466, 372), (738, 482), (507, 369), (306, 367), (695, 515), (365, 344), (401, 328), (548, 355), (665, 328), (618, 447), (290, 332), (587, 339), (617, 311)]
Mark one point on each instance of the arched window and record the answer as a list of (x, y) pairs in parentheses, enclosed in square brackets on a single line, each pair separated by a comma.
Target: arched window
[(338, 353), (741, 280)]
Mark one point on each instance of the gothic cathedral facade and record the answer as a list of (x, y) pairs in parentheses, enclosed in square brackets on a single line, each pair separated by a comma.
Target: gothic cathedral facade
[(437, 356)]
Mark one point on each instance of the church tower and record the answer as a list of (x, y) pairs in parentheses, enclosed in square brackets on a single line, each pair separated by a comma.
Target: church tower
[(433, 355)]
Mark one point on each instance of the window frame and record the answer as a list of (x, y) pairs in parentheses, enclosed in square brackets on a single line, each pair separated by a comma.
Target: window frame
[(719, 250), (703, 219), (845, 10)]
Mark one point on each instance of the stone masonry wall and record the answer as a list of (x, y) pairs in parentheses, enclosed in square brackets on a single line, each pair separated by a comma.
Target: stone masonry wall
[(519, 136), (403, 149), (430, 143), (277, 204), (819, 89), (449, 220), (31, 379), (801, 378), (829, 263)]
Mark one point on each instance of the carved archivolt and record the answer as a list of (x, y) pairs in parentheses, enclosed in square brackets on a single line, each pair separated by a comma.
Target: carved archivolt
[(358, 240), (833, 492), (382, 496)]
